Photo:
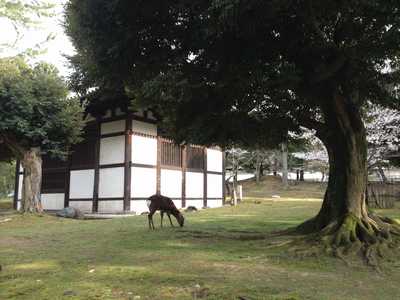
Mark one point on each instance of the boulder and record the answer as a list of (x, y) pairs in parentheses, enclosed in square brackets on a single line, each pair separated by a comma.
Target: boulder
[(71, 212), (190, 209)]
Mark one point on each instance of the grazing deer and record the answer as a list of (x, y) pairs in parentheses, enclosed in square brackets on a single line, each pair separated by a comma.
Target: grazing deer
[(164, 205)]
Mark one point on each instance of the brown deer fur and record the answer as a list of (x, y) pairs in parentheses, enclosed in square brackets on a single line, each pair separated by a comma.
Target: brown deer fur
[(164, 205)]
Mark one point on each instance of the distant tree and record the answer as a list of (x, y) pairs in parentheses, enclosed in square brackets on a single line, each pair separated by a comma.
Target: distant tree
[(249, 71), (383, 137), (36, 117), (7, 178)]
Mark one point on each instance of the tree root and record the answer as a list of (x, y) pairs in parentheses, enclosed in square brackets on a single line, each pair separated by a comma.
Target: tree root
[(371, 236)]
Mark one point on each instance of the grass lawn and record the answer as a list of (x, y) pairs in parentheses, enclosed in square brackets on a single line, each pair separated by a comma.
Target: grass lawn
[(223, 253)]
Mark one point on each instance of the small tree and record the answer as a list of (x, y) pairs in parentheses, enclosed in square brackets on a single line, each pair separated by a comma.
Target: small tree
[(36, 117), (383, 137)]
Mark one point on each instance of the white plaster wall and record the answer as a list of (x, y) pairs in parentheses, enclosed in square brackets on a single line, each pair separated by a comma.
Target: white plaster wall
[(144, 150), (111, 182), (171, 183), (214, 160), (139, 206), (214, 186), (21, 181), (81, 184), (111, 206), (196, 203), (143, 127), (85, 206), (112, 150), (143, 182), (214, 203), (194, 185), (112, 127), (53, 201), (178, 203)]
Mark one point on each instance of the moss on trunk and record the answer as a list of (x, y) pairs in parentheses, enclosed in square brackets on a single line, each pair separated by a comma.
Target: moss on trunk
[(344, 222)]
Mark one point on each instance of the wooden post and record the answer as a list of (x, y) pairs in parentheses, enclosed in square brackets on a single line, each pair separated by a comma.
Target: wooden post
[(158, 182), (16, 190), (67, 181), (223, 178), (184, 166), (205, 177), (127, 166), (95, 206)]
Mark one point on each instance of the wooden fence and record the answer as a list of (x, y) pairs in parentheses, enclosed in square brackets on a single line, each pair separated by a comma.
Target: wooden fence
[(383, 195)]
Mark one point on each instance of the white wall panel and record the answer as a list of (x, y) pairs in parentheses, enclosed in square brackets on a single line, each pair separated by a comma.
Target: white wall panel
[(196, 203), (214, 203), (81, 184), (112, 150), (144, 150), (21, 181), (53, 201), (143, 127), (84, 206), (143, 182), (214, 186), (111, 182), (139, 206), (214, 160), (112, 127), (178, 203), (171, 183), (194, 185), (111, 206)]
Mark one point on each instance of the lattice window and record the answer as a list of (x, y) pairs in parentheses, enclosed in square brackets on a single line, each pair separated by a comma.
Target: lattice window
[(195, 157), (171, 154)]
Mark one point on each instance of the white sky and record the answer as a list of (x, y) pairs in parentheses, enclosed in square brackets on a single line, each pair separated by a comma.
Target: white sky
[(29, 38)]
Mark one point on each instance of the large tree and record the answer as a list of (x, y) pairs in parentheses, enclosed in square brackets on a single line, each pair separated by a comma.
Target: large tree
[(230, 70), (36, 117)]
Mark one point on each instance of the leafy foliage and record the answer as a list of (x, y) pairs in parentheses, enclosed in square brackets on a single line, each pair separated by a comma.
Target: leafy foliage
[(35, 110), (7, 177), (227, 71), (23, 14)]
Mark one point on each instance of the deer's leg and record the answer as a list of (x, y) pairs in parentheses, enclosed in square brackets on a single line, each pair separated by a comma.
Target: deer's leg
[(170, 221), (150, 217), (162, 217)]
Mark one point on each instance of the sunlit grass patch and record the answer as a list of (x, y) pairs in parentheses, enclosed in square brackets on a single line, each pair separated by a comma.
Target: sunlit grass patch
[(221, 253)]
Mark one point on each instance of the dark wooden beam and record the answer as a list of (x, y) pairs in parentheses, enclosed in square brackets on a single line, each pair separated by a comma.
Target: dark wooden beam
[(205, 177), (128, 159), (158, 180), (67, 182), (223, 177), (95, 206), (184, 152)]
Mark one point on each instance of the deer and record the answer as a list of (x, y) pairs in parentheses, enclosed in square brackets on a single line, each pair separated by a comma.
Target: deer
[(164, 205)]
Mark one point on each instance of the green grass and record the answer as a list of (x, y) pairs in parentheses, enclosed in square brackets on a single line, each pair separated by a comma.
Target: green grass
[(226, 251)]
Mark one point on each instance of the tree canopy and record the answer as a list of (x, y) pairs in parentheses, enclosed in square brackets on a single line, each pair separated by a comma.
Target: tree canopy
[(227, 70), (36, 117), (35, 110)]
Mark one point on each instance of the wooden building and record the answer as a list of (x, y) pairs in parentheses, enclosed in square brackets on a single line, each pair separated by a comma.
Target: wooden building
[(121, 161)]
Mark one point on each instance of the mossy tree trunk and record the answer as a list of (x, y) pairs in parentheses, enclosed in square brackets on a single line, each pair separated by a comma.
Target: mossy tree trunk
[(31, 197), (344, 215)]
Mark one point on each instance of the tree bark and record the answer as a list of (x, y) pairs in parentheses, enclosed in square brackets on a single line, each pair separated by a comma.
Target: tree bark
[(344, 215), (258, 168), (284, 153), (31, 197)]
